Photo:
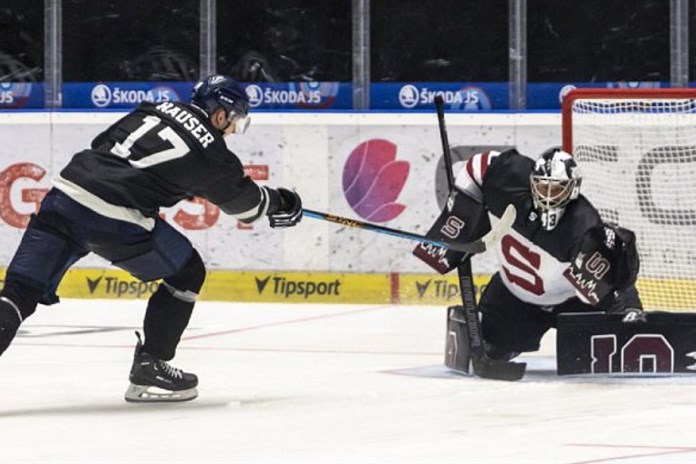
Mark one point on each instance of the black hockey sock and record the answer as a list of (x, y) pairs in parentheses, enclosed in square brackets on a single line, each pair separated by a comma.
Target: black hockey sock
[(166, 319), (17, 302), (10, 319), (169, 309), (24, 297)]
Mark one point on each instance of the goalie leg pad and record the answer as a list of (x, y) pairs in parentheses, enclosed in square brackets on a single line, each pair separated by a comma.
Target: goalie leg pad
[(457, 349), (599, 343)]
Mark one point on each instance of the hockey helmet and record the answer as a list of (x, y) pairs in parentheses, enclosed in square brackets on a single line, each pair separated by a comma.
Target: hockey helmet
[(555, 182), (218, 91)]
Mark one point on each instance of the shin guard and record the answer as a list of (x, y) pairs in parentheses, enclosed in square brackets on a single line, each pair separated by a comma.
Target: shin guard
[(169, 309)]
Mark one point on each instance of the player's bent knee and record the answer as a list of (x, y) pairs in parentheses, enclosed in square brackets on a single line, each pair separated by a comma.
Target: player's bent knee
[(187, 283)]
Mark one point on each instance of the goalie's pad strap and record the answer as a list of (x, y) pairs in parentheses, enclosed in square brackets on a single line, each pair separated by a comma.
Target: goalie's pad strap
[(600, 343)]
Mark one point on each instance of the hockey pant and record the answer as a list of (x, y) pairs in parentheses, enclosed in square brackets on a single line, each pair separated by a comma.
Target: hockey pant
[(510, 325), (64, 231)]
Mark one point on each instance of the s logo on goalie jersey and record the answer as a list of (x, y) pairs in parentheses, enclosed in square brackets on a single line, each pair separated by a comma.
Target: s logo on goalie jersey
[(597, 265), (522, 265), (453, 227)]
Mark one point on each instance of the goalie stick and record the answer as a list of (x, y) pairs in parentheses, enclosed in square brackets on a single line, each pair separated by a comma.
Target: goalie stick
[(483, 366), (476, 246)]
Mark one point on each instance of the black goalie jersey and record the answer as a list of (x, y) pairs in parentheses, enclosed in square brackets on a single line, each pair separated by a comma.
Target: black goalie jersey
[(156, 156), (532, 260)]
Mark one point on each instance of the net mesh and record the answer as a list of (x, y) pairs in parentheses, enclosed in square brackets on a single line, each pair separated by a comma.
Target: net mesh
[(638, 159)]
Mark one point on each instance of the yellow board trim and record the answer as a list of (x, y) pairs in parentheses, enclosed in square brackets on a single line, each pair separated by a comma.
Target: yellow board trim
[(332, 288), (668, 294)]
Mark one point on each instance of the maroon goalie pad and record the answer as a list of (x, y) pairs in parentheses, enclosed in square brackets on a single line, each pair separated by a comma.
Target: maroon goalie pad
[(605, 344)]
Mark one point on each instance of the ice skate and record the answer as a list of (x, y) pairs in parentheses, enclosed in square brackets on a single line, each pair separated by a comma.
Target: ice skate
[(154, 380)]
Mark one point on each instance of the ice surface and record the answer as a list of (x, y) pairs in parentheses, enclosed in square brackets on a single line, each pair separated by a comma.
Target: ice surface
[(318, 384)]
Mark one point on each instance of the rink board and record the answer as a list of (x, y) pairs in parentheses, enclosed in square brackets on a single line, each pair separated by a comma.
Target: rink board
[(311, 287), (314, 153), (278, 287)]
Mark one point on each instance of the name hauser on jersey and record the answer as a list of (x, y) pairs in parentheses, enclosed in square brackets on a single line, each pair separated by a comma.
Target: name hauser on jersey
[(188, 122)]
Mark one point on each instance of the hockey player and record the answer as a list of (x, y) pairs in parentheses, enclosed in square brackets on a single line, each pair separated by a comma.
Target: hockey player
[(558, 257), (106, 201)]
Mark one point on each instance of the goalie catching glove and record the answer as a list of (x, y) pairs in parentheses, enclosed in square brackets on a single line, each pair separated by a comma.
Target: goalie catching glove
[(606, 262), (287, 211)]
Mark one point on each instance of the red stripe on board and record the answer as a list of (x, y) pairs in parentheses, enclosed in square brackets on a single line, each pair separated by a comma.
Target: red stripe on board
[(394, 285)]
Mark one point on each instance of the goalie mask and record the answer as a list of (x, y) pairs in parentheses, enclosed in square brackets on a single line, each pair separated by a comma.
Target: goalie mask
[(555, 182)]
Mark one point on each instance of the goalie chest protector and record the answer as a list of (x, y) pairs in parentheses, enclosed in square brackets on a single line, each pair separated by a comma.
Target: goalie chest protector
[(507, 182), (600, 343), (532, 260)]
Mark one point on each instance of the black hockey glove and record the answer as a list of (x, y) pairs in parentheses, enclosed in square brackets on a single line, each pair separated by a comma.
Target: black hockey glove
[(289, 213), (607, 261)]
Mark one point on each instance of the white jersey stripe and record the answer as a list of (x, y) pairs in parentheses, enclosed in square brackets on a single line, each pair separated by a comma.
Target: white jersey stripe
[(470, 179), (96, 204)]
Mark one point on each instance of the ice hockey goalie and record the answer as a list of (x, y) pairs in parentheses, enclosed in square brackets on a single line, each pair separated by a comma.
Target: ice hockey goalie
[(559, 258)]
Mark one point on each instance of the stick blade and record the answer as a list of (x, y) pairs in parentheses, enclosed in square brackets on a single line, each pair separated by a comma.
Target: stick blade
[(487, 368), (501, 228)]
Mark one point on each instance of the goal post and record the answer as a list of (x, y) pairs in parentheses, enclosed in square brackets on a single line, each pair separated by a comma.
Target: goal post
[(636, 149)]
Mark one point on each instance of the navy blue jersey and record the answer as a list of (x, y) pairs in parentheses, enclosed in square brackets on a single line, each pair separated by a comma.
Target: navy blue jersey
[(156, 156)]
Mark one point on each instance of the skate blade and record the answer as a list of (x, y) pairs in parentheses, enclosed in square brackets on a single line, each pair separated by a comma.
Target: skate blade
[(150, 394)]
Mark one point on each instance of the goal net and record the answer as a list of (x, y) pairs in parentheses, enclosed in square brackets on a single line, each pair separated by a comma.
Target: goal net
[(637, 152)]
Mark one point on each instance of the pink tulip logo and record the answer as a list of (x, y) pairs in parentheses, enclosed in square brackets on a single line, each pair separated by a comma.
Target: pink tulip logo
[(373, 179)]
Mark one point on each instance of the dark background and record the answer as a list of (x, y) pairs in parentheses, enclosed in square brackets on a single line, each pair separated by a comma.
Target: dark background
[(309, 40)]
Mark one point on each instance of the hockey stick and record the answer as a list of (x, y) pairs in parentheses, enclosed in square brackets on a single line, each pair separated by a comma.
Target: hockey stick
[(483, 366), (477, 246)]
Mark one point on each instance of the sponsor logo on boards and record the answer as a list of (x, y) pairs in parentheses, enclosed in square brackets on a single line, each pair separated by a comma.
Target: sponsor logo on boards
[(118, 288), (282, 286)]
